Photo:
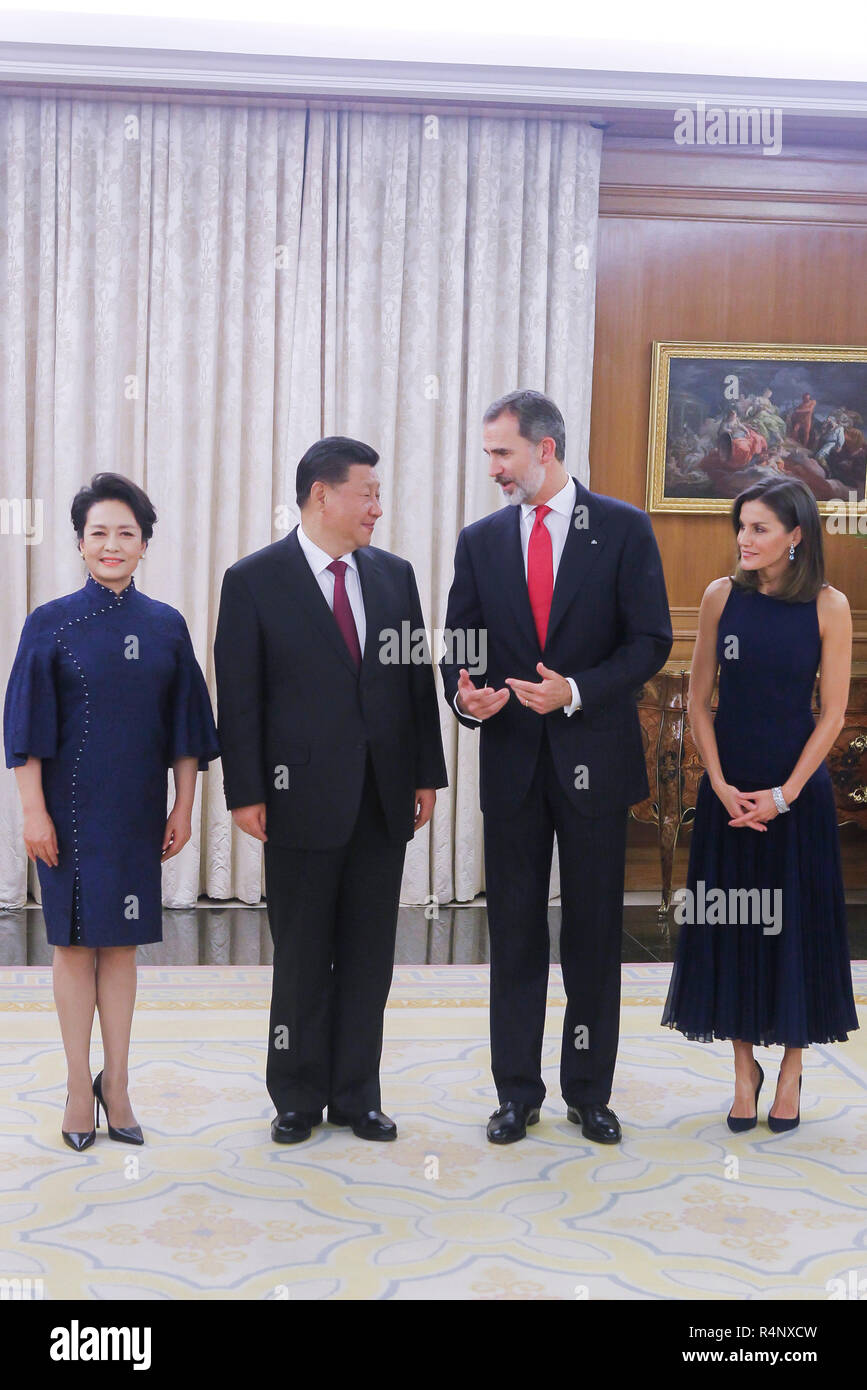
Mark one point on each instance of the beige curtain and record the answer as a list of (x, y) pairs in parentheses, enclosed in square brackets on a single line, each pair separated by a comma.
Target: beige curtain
[(192, 294)]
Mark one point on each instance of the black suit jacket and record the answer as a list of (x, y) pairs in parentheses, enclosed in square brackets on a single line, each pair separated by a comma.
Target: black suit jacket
[(291, 707), (610, 629)]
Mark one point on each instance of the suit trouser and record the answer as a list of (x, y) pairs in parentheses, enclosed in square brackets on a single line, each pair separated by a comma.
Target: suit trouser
[(518, 853), (333, 919)]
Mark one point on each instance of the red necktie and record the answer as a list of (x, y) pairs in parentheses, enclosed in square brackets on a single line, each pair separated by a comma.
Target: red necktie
[(540, 573), (343, 612)]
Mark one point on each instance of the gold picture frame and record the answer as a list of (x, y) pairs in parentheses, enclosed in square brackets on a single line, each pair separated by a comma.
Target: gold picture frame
[(725, 415)]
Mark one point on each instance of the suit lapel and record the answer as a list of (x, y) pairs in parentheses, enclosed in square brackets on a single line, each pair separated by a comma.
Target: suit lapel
[(585, 541), (507, 543), (306, 592), (374, 594)]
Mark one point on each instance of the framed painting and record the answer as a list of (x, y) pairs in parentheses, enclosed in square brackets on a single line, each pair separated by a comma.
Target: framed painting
[(726, 415)]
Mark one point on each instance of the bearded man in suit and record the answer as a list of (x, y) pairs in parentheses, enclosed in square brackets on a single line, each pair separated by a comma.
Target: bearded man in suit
[(566, 586)]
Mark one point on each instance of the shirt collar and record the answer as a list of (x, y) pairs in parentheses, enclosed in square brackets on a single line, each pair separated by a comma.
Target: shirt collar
[(562, 501), (318, 558)]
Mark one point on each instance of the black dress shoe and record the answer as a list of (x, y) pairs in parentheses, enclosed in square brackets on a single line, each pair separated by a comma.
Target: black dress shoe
[(373, 1125), (597, 1122), (509, 1122), (293, 1126)]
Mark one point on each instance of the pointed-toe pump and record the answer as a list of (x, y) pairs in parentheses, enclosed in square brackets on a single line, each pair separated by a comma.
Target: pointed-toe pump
[(78, 1140), (131, 1135), (738, 1124), (780, 1126)]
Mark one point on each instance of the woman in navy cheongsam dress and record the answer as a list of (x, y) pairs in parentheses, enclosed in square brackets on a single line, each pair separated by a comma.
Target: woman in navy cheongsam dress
[(104, 696)]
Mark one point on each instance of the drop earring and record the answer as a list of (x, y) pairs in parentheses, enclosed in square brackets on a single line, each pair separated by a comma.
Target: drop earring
[(791, 552)]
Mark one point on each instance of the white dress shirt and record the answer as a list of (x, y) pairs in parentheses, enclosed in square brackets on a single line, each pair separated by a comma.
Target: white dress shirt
[(319, 560), (557, 521)]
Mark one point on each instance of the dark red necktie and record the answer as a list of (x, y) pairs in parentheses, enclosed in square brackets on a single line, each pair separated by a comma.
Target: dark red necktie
[(343, 611), (540, 573)]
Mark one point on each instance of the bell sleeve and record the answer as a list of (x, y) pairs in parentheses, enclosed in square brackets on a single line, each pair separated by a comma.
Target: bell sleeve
[(30, 711), (192, 731)]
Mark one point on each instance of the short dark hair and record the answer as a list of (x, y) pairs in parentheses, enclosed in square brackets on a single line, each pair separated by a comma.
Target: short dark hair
[(328, 461), (793, 504), (113, 487), (538, 418)]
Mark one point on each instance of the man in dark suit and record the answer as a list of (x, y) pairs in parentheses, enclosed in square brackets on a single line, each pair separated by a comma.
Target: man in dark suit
[(331, 755), (567, 588)]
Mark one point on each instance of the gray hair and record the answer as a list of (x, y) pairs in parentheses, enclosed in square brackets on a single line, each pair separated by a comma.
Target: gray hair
[(538, 418)]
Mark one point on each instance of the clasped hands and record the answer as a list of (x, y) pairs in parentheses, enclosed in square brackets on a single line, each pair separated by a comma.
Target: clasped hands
[(551, 692), (751, 809)]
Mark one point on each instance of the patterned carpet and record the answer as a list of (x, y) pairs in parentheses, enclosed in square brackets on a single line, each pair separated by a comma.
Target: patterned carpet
[(211, 1208)]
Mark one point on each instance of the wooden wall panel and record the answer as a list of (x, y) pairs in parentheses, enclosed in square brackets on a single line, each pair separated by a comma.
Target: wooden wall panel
[(729, 246)]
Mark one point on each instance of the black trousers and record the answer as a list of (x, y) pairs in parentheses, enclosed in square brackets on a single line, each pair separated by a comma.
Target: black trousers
[(518, 853), (333, 918)]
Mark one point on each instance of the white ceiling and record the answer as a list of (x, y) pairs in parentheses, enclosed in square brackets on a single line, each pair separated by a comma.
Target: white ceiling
[(747, 38)]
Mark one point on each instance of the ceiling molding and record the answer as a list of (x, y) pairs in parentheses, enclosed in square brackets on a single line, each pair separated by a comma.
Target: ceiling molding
[(268, 74)]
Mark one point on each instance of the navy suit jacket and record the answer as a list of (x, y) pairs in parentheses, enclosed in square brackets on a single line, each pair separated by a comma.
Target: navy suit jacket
[(609, 628)]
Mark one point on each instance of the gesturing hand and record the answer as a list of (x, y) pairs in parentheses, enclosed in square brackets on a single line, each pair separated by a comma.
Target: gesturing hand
[(481, 704), (550, 693)]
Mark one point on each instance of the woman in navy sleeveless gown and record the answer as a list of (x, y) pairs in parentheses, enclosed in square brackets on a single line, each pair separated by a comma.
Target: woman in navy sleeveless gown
[(763, 955), (104, 696)]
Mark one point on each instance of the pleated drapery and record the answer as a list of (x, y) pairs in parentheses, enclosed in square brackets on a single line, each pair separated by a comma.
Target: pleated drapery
[(192, 294)]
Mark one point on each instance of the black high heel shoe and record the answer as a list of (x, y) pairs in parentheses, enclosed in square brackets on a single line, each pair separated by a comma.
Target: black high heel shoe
[(737, 1123), (780, 1126), (78, 1140), (131, 1135)]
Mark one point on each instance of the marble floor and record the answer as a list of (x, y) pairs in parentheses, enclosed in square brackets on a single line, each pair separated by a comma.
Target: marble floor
[(211, 1209)]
